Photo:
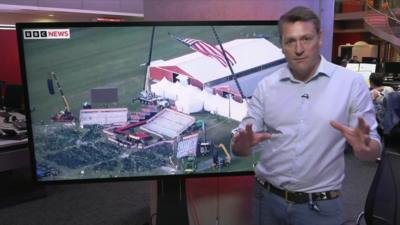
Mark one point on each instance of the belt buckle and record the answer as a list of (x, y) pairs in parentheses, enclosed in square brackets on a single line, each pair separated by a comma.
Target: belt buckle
[(287, 197)]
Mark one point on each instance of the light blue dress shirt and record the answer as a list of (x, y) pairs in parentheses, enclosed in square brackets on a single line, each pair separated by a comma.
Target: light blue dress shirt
[(306, 153)]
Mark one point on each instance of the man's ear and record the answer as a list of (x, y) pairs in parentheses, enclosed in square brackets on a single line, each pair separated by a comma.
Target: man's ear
[(321, 37), (282, 49)]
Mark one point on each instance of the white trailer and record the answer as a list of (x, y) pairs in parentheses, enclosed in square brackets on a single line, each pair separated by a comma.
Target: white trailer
[(103, 116)]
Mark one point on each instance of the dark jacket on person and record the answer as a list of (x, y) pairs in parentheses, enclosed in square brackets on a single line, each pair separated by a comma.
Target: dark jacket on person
[(391, 104)]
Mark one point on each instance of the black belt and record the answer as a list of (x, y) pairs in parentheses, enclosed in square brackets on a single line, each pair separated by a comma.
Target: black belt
[(299, 197)]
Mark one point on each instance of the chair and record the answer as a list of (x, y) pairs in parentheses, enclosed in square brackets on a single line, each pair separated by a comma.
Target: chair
[(382, 203), (14, 97)]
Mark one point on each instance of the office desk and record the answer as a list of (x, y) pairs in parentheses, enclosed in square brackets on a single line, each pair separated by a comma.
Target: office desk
[(395, 84), (15, 167), (13, 142), (11, 159), (17, 184)]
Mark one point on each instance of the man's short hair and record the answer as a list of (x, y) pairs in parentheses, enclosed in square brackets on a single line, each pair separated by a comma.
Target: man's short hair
[(377, 79), (296, 14)]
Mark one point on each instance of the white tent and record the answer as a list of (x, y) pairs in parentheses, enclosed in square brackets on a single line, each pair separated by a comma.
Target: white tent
[(238, 110), (160, 87), (167, 89), (189, 99)]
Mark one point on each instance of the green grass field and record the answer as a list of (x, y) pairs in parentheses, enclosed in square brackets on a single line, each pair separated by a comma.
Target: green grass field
[(114, 57)]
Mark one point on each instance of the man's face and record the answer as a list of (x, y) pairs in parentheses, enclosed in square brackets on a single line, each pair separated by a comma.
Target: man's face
[(301, 46)]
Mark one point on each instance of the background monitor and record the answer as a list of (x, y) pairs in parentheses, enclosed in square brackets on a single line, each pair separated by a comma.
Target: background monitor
[(392, 67), (353, 66), (160, 126), (367, 67), (369, 60)]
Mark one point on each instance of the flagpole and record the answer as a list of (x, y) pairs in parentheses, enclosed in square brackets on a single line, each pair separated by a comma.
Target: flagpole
[(229, 65)]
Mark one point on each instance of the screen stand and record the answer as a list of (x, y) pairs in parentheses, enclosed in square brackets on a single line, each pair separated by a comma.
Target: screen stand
[(171, 202)]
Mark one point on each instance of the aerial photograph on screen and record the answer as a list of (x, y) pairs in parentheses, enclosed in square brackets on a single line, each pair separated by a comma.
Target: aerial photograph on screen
[(137, 101)]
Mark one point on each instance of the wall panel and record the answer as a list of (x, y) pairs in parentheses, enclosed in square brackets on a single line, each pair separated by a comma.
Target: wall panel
[(9, 57)]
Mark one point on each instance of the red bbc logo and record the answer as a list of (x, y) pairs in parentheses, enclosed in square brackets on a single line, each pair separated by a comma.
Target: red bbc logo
[(58, 33)]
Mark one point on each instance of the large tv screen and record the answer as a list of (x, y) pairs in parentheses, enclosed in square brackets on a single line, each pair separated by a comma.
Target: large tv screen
[(112, 101)]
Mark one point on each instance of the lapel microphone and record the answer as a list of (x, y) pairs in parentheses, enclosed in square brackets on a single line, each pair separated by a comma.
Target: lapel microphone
[(306, 96)]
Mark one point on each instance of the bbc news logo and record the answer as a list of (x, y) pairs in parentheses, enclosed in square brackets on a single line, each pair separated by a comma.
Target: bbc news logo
[(47, 34)]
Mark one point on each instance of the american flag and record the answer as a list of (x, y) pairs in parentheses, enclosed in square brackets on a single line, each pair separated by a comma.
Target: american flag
[(208, 50)]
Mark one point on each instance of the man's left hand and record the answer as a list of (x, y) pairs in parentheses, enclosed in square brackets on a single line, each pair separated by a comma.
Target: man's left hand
[(363, 146)]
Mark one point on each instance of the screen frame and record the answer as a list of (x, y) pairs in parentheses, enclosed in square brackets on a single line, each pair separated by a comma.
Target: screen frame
[(21, 26)]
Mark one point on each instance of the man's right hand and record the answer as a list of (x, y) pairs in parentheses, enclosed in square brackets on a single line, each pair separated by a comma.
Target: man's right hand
[(375, 94), (243, 140)]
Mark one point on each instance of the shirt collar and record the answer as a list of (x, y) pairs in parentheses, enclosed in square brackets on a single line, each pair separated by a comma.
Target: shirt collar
[(324, 69)]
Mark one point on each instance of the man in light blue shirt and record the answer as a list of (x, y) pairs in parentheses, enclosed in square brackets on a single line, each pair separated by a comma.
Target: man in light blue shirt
[(302, 115)]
